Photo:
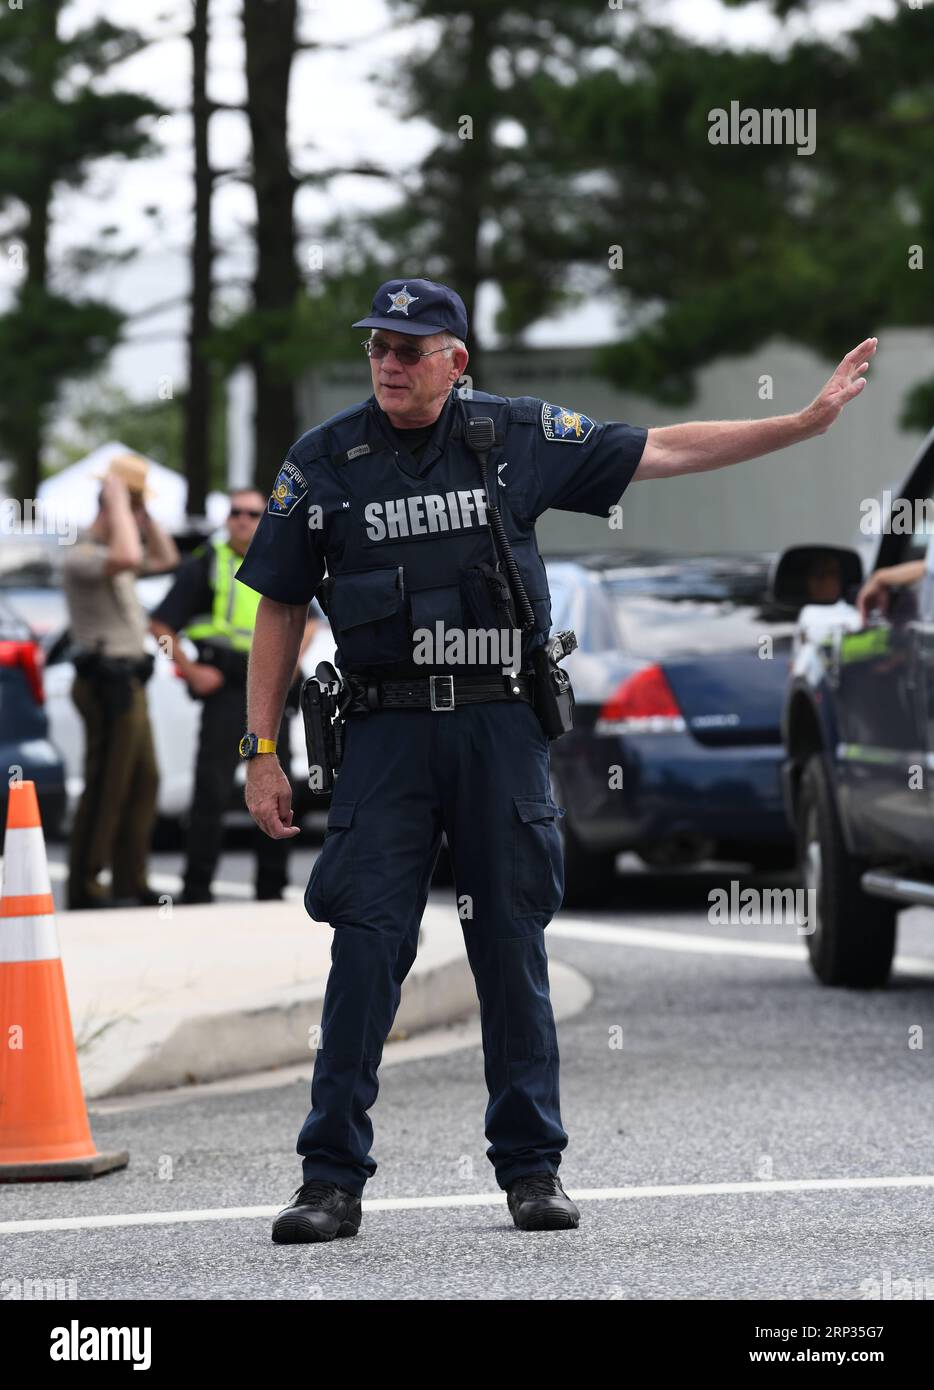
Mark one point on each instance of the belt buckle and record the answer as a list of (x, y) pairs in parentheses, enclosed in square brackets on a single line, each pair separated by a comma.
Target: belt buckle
[(432, 692)]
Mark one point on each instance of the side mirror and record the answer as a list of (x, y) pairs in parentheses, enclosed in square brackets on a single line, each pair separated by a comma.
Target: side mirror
[(815, 574)]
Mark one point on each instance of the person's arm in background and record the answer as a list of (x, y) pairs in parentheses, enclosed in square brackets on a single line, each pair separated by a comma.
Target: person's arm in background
[(161, 551), (201, 678), (875, 592), (277, 638), (697, 447), (191, 594), (124, 546)]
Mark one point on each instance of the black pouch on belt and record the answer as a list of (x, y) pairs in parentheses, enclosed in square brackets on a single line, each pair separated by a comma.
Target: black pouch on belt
[(487, 598)]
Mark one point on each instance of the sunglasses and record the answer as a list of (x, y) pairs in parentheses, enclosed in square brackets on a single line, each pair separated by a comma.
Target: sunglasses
[(245, 511), (405, 356)]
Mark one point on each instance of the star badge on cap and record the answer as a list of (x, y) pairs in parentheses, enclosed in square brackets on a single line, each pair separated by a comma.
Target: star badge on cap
[(400, 302)]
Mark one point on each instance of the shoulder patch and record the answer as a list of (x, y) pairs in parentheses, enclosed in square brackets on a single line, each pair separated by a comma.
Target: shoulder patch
[(290, 486), (566, 426)]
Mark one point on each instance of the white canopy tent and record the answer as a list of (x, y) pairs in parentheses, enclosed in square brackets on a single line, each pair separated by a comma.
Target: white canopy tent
[(71, 495)]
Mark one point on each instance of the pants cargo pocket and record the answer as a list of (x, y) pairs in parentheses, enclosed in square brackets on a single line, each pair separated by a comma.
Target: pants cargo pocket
[(331, 895), (538, 879)]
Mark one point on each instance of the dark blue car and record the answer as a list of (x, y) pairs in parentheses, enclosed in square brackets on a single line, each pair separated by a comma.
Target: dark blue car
[(859, 736), (25, 749), (679, 680)]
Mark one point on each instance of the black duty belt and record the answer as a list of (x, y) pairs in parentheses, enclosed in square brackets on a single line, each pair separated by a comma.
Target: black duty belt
[(434, 692)]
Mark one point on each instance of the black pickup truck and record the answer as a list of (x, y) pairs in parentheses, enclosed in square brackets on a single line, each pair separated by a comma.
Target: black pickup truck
[(858, 731)]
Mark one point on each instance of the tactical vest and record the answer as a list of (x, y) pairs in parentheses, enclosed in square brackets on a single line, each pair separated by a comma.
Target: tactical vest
[(233, 613), (402, 549)]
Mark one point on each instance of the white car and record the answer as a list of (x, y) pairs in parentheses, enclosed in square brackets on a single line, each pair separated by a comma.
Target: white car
[(174, 715)]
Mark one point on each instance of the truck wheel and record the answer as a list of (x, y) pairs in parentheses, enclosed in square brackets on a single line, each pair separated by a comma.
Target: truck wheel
[(853, 940)]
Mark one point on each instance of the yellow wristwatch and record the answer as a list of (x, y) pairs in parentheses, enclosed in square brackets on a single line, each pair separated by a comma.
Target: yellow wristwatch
[(250, 745)]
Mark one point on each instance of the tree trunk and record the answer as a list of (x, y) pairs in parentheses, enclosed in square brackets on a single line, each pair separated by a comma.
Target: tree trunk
[(269, 32), (28, 460), (465, 215), (197, 437)]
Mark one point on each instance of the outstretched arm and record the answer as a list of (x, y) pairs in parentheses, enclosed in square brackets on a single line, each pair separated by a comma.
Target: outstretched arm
[(697, 447)]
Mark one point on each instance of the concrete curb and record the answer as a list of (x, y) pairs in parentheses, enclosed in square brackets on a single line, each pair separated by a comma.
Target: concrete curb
[(210, 1046), (195, 994)]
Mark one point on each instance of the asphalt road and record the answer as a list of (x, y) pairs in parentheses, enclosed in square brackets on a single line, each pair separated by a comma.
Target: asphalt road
[(735, 1068)]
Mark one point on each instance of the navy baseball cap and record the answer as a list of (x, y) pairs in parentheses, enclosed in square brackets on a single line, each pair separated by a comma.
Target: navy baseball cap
[(417, 306)]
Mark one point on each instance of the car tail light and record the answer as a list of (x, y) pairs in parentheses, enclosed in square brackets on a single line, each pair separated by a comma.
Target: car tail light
[(643, 704), (29, 657)]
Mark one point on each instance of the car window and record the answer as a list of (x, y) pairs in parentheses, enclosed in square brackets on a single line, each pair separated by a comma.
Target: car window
[(560, 592), (12, 626), (908, 520), (916, 543), (672, 611)]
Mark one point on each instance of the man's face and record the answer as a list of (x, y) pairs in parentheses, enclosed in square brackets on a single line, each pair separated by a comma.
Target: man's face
[(246, 508), (413, 396), (824, 584)]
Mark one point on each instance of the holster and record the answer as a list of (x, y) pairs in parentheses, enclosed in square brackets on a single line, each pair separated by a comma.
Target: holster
[(553, 694), (324, 699)]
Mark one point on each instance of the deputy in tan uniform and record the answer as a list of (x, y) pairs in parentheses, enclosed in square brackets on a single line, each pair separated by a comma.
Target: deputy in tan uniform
[(113, 822)]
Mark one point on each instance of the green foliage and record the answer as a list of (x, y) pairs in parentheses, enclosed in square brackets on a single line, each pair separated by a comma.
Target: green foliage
[(53, 124), (316, 329), (724, 246), (99, 410), (45, 339)]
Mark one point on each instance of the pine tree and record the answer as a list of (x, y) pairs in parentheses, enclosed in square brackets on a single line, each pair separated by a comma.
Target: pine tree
[(53, 124)]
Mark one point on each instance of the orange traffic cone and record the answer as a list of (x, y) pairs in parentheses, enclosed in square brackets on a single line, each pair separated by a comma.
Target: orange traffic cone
[(44, 1131)]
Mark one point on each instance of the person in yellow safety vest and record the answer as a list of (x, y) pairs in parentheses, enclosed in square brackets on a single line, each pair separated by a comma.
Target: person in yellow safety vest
[(207, 605)]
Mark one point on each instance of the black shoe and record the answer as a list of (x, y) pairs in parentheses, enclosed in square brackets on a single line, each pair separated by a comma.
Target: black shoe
[(87, 902), (319, 1210), (267, 894), (148, 897), (143, 898), (538, 1202), (197, 895)]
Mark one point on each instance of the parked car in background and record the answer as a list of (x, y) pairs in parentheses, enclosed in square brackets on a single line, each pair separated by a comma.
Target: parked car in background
[(26, 750), (858, 730), (679, 680)]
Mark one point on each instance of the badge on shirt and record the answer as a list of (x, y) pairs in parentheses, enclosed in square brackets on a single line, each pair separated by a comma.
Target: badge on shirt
[(289, 488), (568, 426)]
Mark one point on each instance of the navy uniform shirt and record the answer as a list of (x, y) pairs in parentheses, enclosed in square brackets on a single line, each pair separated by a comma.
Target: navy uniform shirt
[(287, 558)]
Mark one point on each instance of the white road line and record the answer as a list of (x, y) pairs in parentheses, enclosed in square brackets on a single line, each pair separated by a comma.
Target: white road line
[(606, 934), (581, 929), (471, 1199)]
